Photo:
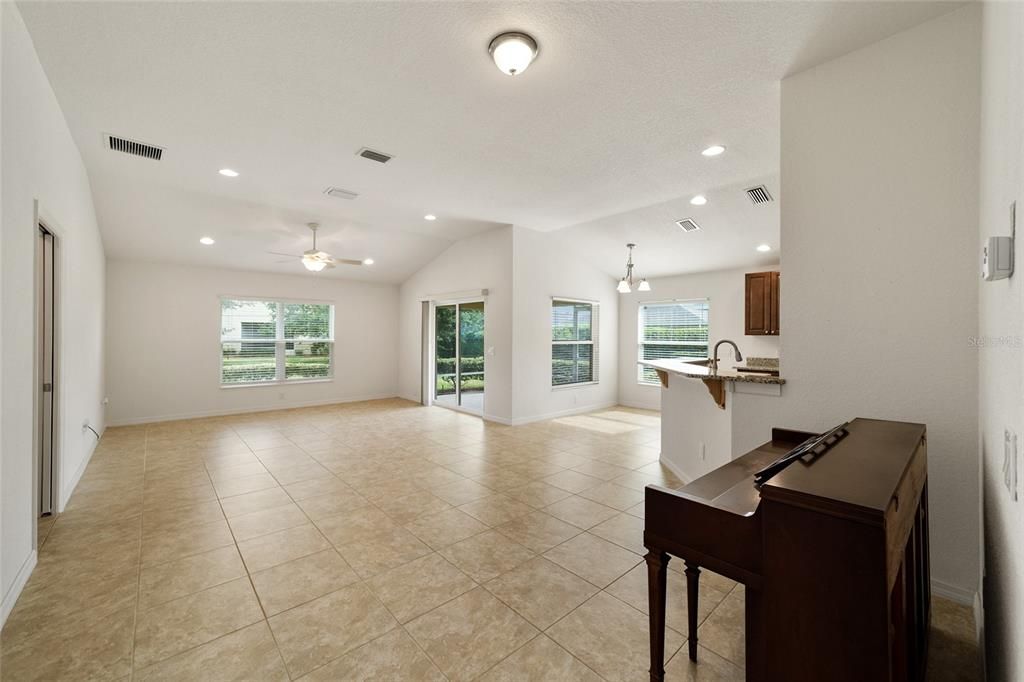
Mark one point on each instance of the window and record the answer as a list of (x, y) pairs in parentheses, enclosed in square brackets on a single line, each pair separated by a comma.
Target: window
[(676, 329), (574, 357), (274, 341)]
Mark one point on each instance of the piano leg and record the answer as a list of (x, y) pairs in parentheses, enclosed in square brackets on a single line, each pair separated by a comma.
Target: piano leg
[(692, 578), (657, 577)]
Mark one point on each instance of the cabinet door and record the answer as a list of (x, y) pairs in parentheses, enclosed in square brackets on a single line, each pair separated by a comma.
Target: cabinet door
[(773, 304), (758, 313)]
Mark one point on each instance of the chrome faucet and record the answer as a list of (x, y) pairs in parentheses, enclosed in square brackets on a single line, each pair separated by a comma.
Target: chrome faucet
[(714, 358)]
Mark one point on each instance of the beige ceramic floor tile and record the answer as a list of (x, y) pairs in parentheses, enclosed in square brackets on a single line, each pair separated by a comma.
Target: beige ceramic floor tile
[(165, 582), (537, 494), (445, 528), (468, 635), (539, 660), (266, 521), (632, 589), (296, 582), (410, 507), (541, 591), (538, 532), (159, 547), (625, 530), (322, 485), (393, 656), (573, 481), (723, 631), (613, 495), (385, 550), (244, 484), (251, 502), (357, 525), (324, 629), (179, 625), (246, 654), (462, 492), (419, 586), (580, 512), (281, 547), (337, 502), (596, 560), (611, 638), (496, 510), (487, 555), (710, 667)]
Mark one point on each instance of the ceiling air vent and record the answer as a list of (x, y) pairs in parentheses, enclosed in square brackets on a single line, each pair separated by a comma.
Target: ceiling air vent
[(759, 195), (339, 193), (134, 147), (379, 157), (688, 225)]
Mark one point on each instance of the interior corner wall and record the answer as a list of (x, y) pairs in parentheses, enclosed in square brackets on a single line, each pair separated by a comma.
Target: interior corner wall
[(726, 294), (163, 333), (1001, 330), (41, 166), (879, 243), (482, 261), (546, 266)]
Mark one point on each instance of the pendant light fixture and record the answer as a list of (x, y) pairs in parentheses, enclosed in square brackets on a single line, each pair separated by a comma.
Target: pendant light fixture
[(626, 283), (513, 52)]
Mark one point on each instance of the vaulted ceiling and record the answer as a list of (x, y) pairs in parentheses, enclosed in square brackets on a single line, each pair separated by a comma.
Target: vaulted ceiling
[(601, 136)]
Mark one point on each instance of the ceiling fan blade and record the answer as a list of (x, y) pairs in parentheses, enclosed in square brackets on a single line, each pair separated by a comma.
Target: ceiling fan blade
[(290, 255), (289, 260), (348, 261)]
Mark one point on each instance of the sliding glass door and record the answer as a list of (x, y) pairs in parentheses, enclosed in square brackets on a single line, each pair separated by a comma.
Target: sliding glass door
[(459, 355)]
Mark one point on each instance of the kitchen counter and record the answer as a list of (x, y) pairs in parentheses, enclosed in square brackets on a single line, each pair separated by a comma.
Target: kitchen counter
[(698, 369)]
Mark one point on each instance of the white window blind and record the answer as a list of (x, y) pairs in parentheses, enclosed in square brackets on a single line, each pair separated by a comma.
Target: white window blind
[(275, 341), (674, 329), (574, 347)]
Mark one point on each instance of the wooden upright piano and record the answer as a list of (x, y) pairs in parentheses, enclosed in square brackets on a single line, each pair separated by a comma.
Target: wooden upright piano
[(832, 550)]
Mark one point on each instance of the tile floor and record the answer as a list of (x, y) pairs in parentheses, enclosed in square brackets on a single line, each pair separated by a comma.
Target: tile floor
[(377, 540)]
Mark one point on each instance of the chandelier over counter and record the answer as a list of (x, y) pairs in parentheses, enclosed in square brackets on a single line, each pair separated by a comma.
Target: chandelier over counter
[(626, 283)]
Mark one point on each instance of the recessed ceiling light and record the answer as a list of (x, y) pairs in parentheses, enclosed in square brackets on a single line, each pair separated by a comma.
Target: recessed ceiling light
[(699, 200), (206, 240), (763, 248), (513, 52), (367, 261), (228, 172), (713, 150), (430, 216)]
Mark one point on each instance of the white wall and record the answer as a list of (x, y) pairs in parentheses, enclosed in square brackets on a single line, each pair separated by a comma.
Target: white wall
[(163, 331), (880, 254), (1001, 371), (41, 164), (483, 261), (726, 291), (545, 266)]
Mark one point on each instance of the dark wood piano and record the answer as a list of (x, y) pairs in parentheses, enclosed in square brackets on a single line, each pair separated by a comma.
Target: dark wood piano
[(833, 551)]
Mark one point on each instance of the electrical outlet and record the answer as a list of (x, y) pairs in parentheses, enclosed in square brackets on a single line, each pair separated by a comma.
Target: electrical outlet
[(1010, 463)]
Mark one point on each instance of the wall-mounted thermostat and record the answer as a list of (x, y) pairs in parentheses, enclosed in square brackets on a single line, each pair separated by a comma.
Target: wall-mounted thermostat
[(997, 258)]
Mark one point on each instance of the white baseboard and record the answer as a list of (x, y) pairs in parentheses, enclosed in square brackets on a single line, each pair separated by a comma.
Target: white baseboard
[(67, 490), (245, 410), (979, 624), (674, 469), (641, 405), (20, 580), (953, 592), (520, 421)]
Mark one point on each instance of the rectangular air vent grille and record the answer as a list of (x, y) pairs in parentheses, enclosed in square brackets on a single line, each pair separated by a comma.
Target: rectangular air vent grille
[(759, 194), (379, 157), (688, 225), (339, 193), (134, 147)]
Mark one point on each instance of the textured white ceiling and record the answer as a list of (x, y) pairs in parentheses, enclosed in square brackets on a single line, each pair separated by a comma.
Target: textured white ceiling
[(611, 117)]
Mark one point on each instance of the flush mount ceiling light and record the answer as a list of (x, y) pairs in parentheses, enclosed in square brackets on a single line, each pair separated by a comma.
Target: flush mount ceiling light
[(367, 261), (763, 248), (513, 52), (207, 241), (626, 283), (713, 150), (227, 172), (699, 200), (430, 216)]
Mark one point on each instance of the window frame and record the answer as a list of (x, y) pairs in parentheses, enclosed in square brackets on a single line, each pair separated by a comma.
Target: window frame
[(593, 342), (279, 340), (640, 343)]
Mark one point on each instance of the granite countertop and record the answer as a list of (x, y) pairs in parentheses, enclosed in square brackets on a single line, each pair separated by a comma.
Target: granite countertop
[(698, 369)]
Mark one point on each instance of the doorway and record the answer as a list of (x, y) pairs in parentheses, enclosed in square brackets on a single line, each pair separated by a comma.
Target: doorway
[(46, 326), (458, 380)]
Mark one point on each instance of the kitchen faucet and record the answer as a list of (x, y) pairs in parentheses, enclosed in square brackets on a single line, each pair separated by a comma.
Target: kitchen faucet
[(714, 358)]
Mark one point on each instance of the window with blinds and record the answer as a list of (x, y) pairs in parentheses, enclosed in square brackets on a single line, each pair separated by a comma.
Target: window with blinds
[(275, 341), (675, 329), (574, 333)]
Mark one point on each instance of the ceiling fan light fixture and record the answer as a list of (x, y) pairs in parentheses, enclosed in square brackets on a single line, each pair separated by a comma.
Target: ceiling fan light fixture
[(207, 241), (313, 264), (513, 52), (713, 150), (367, 261)]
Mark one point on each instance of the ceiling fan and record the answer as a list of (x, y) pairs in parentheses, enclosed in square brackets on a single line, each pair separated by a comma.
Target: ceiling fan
[(316, 260)]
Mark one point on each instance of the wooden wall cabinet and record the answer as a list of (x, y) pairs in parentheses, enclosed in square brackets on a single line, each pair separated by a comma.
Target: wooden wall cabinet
[(762, 304)]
